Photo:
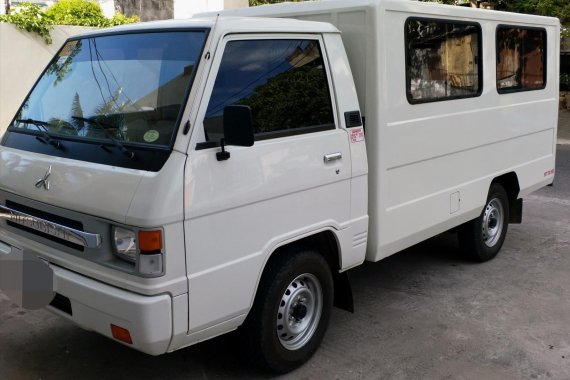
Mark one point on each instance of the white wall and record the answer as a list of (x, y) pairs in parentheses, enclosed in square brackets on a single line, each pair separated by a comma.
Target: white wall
[(185, 8), (108, 7), (19, 69), (231, 4)]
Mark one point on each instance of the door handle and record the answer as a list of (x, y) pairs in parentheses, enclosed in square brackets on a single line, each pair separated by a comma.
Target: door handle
[(333, 157)]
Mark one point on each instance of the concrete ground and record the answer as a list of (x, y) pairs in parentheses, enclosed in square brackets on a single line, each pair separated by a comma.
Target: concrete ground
[(424, 313)]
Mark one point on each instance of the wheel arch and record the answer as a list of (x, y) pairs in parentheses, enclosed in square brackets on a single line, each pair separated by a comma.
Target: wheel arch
[(510, 183), (326, 243)]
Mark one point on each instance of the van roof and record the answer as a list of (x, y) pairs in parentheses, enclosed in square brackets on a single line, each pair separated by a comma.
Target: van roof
[(224, 25), (413, 6)]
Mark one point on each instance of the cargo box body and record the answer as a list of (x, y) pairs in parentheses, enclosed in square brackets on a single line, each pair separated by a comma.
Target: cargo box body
[(431, 163)]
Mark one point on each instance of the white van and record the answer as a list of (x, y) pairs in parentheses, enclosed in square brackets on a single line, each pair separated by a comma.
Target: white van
[(168, 182)]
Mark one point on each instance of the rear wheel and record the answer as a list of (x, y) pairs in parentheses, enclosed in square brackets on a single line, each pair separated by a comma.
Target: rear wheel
[(482, 238), (291, 311)]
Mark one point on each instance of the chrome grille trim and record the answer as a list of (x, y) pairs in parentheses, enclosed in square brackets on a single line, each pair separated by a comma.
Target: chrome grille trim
[(84, 239)]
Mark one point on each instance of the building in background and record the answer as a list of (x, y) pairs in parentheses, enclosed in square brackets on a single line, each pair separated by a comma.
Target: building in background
[(149, 10)]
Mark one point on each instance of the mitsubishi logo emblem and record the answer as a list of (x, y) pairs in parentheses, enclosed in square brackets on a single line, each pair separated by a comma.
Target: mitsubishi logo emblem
[(44, 182)]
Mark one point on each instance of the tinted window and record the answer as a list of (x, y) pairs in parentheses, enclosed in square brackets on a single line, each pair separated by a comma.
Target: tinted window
[(134, 85), (442, 60), (113, 99), (283, 81), (521, 59)]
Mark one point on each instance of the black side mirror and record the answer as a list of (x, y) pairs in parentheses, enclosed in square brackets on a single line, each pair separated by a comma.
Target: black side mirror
[(238, 129)]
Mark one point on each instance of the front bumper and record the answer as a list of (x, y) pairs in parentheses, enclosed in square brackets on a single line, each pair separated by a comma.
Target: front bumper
[(91, 304), (96, 306)]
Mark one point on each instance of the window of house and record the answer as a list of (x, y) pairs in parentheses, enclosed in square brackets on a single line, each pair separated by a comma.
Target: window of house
[(283, 81), (442, 60), (521, 59)]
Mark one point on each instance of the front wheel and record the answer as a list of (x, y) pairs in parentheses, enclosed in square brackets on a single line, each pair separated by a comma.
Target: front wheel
[(482, 238), (291, 311)]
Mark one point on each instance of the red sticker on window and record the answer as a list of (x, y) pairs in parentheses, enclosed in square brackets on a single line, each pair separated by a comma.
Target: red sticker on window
[(356, 135)]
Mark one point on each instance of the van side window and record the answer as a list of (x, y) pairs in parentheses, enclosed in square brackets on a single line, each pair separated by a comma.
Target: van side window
[(443, 60), (282, 80), (521, 59)]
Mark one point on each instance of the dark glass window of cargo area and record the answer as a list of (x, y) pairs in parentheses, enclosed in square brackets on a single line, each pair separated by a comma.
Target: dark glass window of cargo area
[(443, 60), (521, 59), (284, 83)]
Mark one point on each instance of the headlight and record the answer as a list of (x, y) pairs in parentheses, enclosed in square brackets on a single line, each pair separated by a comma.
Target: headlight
[(125, 243), (142, 247)]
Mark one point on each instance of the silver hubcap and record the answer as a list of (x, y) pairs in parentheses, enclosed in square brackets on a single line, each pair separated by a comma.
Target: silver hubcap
[(493, 220), (299, 311)]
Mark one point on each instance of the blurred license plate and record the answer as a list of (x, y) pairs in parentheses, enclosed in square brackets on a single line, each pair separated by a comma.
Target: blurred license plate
[(25, 279)]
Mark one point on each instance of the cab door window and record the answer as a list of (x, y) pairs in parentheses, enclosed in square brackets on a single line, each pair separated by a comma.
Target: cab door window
[(283, 81)]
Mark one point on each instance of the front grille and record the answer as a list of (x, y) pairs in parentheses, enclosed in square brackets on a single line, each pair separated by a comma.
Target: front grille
[(62, 303), (44, 215), (47, 216)]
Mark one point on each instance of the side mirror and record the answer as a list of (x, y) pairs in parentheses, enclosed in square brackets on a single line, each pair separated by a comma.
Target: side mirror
[(238, 126), (238, 129)]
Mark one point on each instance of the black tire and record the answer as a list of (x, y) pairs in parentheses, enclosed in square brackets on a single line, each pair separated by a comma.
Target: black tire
[(481, 239), (289, 288)]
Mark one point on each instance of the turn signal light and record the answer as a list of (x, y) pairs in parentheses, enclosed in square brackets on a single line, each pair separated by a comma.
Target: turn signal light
[(150, 241), (121, 334)]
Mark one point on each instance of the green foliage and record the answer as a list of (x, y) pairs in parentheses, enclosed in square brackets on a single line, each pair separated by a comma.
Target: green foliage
[(565, 80), (74, 12), (552, 8), (121, 19), (32, 18), (84, 13)]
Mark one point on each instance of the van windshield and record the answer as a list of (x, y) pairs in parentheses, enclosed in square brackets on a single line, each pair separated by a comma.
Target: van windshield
[(121, 90)]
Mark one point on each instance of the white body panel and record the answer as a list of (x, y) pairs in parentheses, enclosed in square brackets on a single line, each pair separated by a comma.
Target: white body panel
[(423, 169), (421, 155), (240, 210), (73, 183)]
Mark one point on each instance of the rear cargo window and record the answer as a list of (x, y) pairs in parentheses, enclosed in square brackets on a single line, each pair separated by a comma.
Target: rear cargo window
[(282, 80), (521, 59), (442, 60)]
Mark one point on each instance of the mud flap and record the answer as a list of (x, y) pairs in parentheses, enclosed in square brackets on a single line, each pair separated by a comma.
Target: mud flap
[(343, 292)]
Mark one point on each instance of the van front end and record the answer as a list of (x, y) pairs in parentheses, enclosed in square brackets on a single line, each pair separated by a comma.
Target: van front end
[(141, 322), (78, 273), (166, 183), (91, 186)]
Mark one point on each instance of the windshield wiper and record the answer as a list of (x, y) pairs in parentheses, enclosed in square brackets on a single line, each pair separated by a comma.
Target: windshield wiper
[(99, 125), (42, 128)]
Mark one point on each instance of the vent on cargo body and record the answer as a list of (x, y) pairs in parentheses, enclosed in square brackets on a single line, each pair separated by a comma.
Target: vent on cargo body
[(47, 216), (353, 119), (62, 303)]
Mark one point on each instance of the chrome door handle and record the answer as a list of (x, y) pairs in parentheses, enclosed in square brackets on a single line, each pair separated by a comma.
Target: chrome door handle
[(333, 157)]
